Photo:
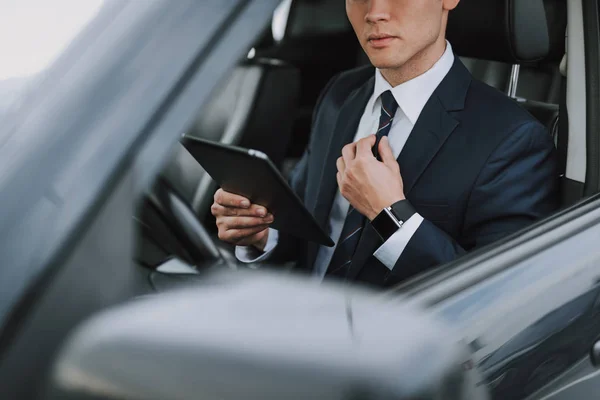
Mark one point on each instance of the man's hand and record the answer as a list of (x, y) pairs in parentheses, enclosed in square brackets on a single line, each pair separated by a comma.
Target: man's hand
[(240, 222), (368, 184)]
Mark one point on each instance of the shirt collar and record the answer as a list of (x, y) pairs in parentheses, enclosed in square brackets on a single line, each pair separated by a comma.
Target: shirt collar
[(412, 95)]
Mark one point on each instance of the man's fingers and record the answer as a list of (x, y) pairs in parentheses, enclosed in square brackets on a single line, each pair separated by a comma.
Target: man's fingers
[(238, 220), (254, 211), (250, 240), (245, 222), (385, 152), (349, 153), (243, 237), (257, 210), (227, 199), (365, 145), (340, 164)]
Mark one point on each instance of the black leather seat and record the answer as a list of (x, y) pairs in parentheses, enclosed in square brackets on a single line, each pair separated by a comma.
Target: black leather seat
[(492, 36), (253, 108), (494, 73), (540, 83)]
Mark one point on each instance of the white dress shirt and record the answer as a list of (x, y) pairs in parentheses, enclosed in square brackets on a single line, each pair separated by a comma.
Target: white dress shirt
[(411, 97)]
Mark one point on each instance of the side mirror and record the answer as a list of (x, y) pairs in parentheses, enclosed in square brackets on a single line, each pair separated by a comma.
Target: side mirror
[(255, 335)]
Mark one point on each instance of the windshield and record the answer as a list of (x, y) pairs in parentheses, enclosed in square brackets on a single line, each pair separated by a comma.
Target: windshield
[(32, 35)]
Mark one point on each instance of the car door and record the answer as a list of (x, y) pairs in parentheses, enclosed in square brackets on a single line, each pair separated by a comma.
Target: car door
[(80, 149), (527, 307)]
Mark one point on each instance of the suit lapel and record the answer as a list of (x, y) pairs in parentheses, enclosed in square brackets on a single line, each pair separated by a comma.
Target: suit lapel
[(435, 124), (345, 129), (427, 137)]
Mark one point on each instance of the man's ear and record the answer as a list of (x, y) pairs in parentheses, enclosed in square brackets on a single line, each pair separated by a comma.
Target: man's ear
[(450, 5)]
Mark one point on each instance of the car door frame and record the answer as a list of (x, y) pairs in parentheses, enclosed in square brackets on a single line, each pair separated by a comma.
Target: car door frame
[(591, 32), (126, 112), (505, 287)]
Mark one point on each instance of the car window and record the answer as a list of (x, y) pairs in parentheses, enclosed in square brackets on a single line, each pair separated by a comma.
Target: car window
[(539, 294), (543, 328), (32, 34)]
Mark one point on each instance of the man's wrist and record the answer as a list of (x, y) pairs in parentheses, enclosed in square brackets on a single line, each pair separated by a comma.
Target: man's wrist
[(383, 205)]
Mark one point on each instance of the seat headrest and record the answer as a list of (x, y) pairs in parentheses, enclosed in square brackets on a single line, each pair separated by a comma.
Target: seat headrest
[(511, 31)]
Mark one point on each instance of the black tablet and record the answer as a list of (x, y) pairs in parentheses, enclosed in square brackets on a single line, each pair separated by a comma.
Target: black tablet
[(251, 174)]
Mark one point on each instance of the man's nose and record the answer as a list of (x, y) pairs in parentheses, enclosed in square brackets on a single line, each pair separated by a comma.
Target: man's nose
[(378, 10)]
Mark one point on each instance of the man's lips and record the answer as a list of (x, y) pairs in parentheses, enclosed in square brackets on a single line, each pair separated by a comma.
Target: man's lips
[(380, 41)]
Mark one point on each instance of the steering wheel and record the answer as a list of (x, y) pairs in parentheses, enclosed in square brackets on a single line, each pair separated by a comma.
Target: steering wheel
[(168, 221)]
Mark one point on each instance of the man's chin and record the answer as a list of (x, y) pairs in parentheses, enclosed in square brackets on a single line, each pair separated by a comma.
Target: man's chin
[(386, 64), (383, 61)]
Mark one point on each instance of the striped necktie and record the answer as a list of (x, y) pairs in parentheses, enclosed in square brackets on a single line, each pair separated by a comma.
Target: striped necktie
[(354, 223)]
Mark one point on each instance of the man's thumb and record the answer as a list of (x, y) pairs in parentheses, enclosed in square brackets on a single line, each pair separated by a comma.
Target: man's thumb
[(385, 151)]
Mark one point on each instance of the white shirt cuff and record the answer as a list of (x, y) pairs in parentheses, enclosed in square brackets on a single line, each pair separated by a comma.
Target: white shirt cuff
[(390, 251), (250, 254)]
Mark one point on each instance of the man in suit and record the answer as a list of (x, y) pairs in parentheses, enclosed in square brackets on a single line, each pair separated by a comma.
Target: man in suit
[(408, 166)]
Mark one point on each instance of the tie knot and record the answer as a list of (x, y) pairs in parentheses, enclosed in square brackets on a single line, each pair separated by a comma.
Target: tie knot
[(389, 103)]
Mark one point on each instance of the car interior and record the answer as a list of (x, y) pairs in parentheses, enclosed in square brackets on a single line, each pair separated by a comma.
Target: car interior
[(266, 103), (283, 75)]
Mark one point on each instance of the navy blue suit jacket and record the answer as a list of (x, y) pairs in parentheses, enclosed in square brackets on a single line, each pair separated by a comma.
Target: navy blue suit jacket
[(476, 166)]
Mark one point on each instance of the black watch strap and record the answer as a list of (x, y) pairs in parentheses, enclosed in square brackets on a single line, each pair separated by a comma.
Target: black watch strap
[(403, 210), (392, 218)]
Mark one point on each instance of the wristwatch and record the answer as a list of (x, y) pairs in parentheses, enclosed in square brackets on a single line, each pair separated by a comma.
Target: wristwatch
[(390, 219)]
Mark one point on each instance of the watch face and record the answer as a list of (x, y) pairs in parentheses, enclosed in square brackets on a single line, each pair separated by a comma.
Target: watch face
[(385, 224)]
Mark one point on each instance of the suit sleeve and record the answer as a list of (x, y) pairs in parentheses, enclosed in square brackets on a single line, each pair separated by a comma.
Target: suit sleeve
[(517, 186)]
